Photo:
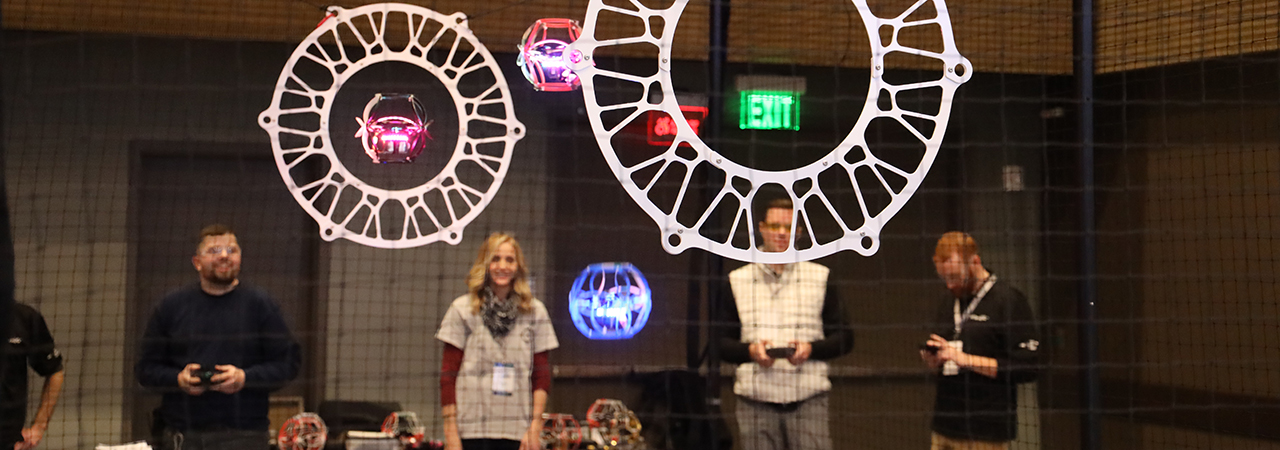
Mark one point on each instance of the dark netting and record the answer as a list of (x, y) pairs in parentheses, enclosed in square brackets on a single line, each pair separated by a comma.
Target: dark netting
[(130, 125)]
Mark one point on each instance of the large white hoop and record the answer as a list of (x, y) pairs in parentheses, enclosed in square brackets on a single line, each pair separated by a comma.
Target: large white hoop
[(423, 30), (677, 237)]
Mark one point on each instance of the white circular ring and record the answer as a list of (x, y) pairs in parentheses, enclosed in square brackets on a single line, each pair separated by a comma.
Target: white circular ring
[(445, 225), (677, 237)]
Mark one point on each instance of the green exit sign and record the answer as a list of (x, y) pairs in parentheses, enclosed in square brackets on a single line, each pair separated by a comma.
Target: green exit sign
[(769, 110)]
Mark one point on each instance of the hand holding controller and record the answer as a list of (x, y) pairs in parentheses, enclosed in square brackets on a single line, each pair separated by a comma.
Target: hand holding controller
[(227, 379), (204, 374), (189, 380), (780, 352)]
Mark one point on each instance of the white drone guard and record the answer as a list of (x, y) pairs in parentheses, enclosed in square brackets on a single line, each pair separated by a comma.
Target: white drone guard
[(369, 27), (850, 155)]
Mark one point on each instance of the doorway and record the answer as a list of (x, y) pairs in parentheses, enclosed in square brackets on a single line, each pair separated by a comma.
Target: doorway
[(176, 188)]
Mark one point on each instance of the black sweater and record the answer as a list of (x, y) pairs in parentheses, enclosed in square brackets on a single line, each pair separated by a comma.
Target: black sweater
[(243, 328), (971, 405)]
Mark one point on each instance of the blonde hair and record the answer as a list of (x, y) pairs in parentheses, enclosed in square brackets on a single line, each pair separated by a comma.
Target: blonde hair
[(478, 278), (957, 242)]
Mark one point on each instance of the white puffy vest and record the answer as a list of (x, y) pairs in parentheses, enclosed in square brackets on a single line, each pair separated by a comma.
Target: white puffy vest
[(780, 309)]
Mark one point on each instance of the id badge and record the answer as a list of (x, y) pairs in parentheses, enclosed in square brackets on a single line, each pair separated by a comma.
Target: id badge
[(504, 379), (950, 368)]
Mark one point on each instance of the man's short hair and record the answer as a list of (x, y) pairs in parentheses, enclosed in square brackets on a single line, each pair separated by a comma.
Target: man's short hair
[(216, 229), (957, 242), (777, 203)]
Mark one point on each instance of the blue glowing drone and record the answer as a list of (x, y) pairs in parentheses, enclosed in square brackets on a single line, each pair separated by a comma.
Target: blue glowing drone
[(610, 301)]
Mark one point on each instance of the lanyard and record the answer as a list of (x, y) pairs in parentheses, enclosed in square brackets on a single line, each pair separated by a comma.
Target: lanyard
[(960, 319)]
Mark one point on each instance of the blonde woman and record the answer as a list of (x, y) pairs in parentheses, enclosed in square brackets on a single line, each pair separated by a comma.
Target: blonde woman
[(494, 373)]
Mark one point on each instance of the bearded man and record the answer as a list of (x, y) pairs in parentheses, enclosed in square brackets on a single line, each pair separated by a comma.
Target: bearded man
[(985, 342), (216, 350)]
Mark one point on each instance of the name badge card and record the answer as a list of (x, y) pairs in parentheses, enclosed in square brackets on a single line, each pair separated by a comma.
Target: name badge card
[(950, 368), (504, 379)]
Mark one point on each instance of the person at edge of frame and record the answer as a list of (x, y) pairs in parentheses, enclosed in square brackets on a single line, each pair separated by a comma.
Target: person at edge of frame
[(29, 344)]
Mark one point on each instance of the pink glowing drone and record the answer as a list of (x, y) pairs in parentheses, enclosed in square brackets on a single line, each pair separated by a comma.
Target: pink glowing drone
[(542, 57), (394, 128)]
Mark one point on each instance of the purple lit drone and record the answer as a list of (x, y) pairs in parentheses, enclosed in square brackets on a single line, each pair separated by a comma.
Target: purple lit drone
[(610, 301), (542, 54), (394, 128)]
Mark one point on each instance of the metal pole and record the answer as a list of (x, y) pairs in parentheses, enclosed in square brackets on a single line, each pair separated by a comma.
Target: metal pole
[(718, 44), (7, 276), (1091, 398), (717, 51)]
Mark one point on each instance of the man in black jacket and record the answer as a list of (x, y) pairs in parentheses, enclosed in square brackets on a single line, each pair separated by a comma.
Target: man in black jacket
[(984, 344), (216, 350)]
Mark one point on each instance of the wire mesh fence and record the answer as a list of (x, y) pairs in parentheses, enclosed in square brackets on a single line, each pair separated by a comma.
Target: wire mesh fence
[(130, 125)]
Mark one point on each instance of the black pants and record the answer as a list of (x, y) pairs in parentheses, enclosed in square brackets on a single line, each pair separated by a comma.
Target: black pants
[(215, 440), (490, 444)]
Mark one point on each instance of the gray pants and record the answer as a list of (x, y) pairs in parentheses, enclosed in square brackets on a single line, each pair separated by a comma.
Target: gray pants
[(766, 426)]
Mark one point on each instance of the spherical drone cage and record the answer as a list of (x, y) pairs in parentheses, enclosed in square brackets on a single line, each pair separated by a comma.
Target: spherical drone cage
[(622, 283), (305, 431), (742, 184), (298, 122), (561, 431)]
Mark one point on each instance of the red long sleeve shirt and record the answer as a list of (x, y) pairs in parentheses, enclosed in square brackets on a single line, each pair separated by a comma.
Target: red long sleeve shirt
[(451, 362)]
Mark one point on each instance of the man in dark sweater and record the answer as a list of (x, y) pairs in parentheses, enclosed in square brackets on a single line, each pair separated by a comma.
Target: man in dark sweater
[(216, 350), (984, 343)]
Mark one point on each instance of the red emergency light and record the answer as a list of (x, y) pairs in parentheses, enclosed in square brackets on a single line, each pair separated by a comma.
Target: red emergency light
[(662, 127)]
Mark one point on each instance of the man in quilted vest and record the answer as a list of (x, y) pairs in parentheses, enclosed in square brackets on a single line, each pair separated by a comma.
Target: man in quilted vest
[(783, 323)]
